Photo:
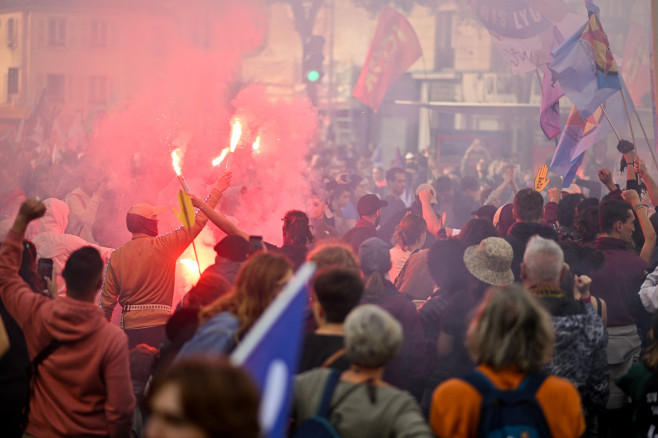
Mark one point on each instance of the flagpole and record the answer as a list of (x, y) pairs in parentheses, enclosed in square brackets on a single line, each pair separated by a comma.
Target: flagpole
[(628, 117), (653, 155), (611, 125)]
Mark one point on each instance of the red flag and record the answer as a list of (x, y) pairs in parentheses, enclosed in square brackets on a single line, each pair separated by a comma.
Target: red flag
[(393, 50)]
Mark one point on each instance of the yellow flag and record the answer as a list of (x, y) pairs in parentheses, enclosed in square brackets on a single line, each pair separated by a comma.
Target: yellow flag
[(186, 213)]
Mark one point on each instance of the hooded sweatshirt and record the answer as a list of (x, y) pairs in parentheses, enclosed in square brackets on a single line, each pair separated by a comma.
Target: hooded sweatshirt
[(83, 388), (52, 242)]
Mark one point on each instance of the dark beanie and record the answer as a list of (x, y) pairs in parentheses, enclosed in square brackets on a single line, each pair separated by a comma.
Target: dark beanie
[(233, 247)]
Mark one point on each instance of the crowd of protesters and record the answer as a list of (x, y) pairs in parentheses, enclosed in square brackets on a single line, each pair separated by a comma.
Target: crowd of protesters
[(439, 291)]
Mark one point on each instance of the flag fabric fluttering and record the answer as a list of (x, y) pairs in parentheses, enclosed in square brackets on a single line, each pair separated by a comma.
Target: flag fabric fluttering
[(394, 48), (551, 92), (270, 352), (637, 62), (585, 67), (521, 30), (582, 133)]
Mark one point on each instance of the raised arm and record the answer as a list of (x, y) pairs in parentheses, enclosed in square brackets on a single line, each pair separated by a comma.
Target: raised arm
[(652, 188), (218, 219), (605, 176), (434, 224), (21, 302), (174, 243), (640, 209)]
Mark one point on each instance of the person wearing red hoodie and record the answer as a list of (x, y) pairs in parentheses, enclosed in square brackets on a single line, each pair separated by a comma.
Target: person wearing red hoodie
[(82, 388)]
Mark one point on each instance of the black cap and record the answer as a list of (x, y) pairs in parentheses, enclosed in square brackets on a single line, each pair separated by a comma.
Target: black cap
[(369, 204), (485, 212), (233, 248)]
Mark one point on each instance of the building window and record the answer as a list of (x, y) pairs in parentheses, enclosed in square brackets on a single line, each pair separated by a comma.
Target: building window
[(12, 81), (99, 33), (55, 87), (97, 89), (12, 39), (57, 32)]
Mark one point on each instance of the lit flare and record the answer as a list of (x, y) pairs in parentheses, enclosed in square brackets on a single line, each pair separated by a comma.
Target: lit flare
[(191, 269), (175, 161), (256, 145), (218, 160), (236, 133)]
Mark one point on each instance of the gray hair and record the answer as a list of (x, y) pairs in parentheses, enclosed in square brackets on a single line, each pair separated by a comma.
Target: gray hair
[(511, 328), (372, 336), (543, 260)]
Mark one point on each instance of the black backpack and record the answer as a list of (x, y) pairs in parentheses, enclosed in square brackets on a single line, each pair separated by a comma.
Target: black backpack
[(514, 413)]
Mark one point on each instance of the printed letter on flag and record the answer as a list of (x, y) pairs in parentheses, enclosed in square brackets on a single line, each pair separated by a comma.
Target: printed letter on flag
[(585, 67), (393, 50), (522, 29)]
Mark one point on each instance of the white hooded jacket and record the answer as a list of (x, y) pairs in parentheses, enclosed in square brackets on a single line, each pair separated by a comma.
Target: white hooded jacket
[(53, 243)]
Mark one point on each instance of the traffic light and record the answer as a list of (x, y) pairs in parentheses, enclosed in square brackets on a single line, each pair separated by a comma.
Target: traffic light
[(312, 70)]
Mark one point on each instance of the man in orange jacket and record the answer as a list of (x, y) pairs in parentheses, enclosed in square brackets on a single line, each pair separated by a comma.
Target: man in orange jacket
[(141, 273)]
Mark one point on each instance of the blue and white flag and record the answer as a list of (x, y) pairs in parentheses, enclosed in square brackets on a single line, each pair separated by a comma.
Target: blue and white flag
[(270, 352), (585, 67)]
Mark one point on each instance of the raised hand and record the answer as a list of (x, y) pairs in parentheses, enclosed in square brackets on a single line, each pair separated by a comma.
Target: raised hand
[(555, 194), (605, 176), (631, 197), (224, 182), (31, 209)]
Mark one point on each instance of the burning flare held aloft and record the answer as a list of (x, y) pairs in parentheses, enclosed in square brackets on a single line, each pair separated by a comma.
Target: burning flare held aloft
[(176, 164)]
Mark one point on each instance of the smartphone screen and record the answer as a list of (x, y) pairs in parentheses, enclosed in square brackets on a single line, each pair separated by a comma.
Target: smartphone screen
[(255, 244), (45, 268)]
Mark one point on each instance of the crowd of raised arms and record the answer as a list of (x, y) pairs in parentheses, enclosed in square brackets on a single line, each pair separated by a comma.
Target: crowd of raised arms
[(448, 301)]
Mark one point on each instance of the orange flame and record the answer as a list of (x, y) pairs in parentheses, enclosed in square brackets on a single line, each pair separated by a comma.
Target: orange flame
[(175, 161), (256, 146), (191, 271), (218, 160), (236, 133)]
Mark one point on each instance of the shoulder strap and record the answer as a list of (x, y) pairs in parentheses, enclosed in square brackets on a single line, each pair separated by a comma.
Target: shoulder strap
[(531, 383), (599, 307), (404, 268), (43, 354), (327, 393), (478, 380), (368, 383), (333, 358)]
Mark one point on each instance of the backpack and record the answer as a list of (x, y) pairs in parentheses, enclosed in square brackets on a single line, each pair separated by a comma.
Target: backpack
[(647, 409), (513, 413), (319, 425)]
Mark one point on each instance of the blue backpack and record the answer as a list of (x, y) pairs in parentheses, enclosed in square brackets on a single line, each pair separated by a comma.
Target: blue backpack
[(515, 413)]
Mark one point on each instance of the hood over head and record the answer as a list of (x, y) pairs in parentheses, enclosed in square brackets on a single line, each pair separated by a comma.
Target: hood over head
[(56, 218)]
